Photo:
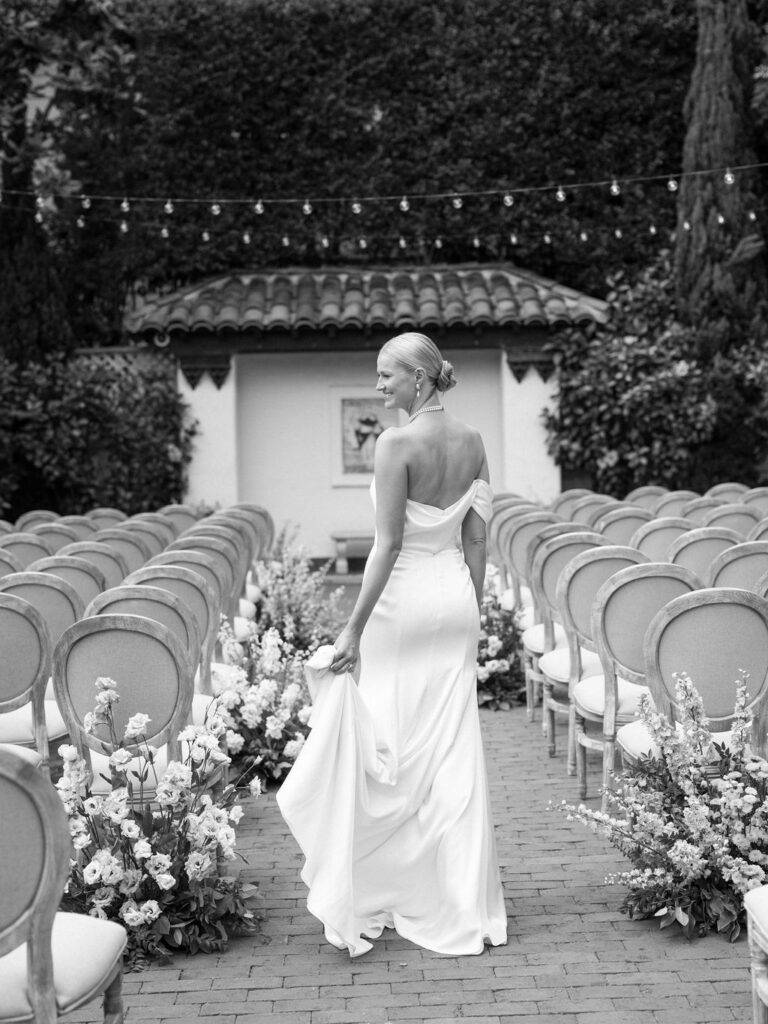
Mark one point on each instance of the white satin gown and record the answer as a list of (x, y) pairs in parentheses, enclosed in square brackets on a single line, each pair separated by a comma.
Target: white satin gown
[(388, 798)]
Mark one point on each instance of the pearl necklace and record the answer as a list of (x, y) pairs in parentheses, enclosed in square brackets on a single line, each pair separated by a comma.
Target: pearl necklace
[(425, 408)]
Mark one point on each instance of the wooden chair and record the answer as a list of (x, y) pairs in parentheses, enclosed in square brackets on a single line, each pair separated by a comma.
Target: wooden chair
[(84, 576), (672, 503), (128, 543), (621, 613), (647, 495), (712, 635), (741, 565), (756, 906), (182, 516), (589, 508), (563, 668), (564, 502), (548, 635), (513, 538), (165, 525), (35, 515), (26, 718), (57, 601), (199, 596), (106, 517), (238, 543), (697, 548), (263, 521), (653, 538), (51, 963), (731, 491), (224, 552), (497, 529), (736, 516), (757, 498), (109, 561), (9, 562), (6, 526), (759, 531), (162, 606), (211, 569), (154, 537), (84, 527), (26, 547), (55, 533), (697, 509), (153, 672), (618, 525)]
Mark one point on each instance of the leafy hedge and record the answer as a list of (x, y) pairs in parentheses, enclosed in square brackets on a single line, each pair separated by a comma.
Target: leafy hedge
[(77, 433), (384, 97), (639, 403)]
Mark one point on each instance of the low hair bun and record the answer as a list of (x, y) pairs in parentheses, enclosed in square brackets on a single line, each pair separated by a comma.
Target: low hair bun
[(446, 379)]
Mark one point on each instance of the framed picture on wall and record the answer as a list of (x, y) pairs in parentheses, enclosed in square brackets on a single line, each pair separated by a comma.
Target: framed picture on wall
[(357, 418)]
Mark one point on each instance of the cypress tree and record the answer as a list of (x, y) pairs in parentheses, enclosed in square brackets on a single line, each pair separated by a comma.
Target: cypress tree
[(719, 267)]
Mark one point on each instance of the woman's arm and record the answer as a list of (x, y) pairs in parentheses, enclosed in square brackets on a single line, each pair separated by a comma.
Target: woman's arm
[(473, 534), (391, 475)]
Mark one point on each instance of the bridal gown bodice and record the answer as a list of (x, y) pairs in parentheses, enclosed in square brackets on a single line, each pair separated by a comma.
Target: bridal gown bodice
[(388, 798)]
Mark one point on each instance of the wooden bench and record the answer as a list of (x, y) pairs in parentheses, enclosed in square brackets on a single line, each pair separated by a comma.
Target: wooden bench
[(349, 543)]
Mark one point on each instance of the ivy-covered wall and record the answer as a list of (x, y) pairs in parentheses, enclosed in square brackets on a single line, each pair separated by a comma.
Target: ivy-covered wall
[(342, 98)]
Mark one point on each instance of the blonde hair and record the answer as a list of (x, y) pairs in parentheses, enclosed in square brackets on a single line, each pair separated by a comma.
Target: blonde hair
[(413, 350)]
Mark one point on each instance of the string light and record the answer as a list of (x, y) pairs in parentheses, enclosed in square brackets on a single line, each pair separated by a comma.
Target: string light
[(686, 225), (357, 207), (438, 242), (547, 238), (509, 199), (652, 229), (216, 209), (729, 177), (285, 241), (560, 194), (672, 185), (325, 241), (306, 207), (583, 236), (363, 243), (615, 188), (85, 202), (206, 236), (457, 202), (476, 242), (164, 232), (258, 207), (246, 238), (513, 239), (404, 204), (124, 227), (402, 242), (618, 233), (125, 206), (80, 222), (168, 207), (720, 219), (752, 216)]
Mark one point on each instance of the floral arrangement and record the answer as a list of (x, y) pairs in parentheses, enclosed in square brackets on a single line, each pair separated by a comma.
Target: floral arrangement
[(500, 675), (154, 865), (692, 818), (263, 702)]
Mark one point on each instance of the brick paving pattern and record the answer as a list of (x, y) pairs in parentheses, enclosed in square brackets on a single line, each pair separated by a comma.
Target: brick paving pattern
[(571, 958)]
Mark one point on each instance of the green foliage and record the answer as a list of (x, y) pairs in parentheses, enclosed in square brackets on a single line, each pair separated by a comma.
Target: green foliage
[(500, 674), (350, 97), (75, 434), (639, 403)]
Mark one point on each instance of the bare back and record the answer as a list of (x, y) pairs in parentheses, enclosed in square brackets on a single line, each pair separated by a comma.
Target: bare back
[(443, 457)]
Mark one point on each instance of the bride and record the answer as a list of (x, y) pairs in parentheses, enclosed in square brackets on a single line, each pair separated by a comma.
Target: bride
[(389, 798)]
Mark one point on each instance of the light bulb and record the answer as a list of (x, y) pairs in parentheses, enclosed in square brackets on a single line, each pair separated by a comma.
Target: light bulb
[(404, 204), (458, 202), (168, 207), (306, 207), (547, 238), (285, 241), (80, 222), (652, 229), (438, 243), (325, 241), (476, 242), (206, 236), (363, 243), (513, 238), (246, 238), (729, 177), (583, 236), (509, 199), (615, 188), (39, 217), (560, 194), (619, 233), (124, 226), (720, 219), (402, 242), (357, 207), (85, 202), (215, 209), (672, 185), (686, 225), (752, 215), (258, 207), (125, 206), (164, 232)]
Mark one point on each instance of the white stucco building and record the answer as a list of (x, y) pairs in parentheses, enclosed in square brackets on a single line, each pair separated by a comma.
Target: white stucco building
[(278, 368)]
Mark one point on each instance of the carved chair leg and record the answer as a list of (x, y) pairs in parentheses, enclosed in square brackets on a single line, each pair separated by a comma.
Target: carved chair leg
[(113, 1000), (549, 719), (570, 767), (609, 761)]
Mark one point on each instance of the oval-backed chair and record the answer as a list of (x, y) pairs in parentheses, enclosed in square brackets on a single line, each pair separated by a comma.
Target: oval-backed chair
[(646, 495), (564, 502), (757, 498), (128, 543), (55, 533), (211, 569), (51, 962), (182, 516), (153, 675), (731, 490), (106, 517), (654, 537), (513, 538), (698, 548), (618, 525), (224, 551), (735, 516), (6, 527), (741, 565), (154, 537), (84, 527), (497, 529), (57, 601), (9, 563), (109, 561), (34, 516), (712, 635), (165, 525), (264, 523), (673, 502), (697, 509), (26, 547), (621, 613), (562, 669), (589, 508), (85, 577)]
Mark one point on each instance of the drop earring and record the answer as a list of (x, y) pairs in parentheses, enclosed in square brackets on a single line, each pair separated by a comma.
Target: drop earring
[(418, 390)]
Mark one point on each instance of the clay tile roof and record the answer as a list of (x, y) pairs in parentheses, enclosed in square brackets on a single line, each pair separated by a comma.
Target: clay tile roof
[(499, 295)]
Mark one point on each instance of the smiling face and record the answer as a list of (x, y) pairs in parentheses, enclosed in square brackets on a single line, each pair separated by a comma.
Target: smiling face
[(395, 382)]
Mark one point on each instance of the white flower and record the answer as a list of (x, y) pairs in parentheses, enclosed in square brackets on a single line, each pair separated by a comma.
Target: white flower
[(68, 753), (158, 863), (507, 600), (131, 914), (119, 758), (89, 722), (92, 872), (235, 814), (293, 747), (130, 829), (137, 725), (150, 910), (105, 683), (305, 714), (165, 881), (130, 881), (197, 865), (254, 786), (142, 850), (274, 727), (235, 742)]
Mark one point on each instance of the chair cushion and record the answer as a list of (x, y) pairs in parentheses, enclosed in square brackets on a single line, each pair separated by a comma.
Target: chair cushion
[(589, 697), (27, 753), (533, 638), (634, 740), (246, 609), (100, 765), (17, 727), (525, 617), (86, 952), (556, 665), (241, 627)]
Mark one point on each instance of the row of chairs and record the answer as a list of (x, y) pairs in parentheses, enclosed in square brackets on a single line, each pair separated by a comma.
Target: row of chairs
[(593, 603), (145, 632)]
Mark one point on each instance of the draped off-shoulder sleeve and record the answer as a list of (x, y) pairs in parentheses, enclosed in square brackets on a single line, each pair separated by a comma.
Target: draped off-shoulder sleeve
[(482, 500)]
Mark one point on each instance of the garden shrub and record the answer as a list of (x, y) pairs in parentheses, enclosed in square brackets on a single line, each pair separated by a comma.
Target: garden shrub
[(638, 401), (77, 433)]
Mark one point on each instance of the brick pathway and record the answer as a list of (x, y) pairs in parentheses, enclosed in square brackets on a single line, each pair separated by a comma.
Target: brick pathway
[(571, 957)]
